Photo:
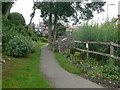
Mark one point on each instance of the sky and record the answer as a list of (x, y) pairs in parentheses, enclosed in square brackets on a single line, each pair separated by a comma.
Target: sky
[(24, 7)]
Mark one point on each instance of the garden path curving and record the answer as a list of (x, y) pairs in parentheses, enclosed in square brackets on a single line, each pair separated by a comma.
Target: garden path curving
[(57, 76)]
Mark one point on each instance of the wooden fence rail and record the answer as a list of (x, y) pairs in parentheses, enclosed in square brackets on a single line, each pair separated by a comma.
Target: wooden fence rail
[(111, 44)]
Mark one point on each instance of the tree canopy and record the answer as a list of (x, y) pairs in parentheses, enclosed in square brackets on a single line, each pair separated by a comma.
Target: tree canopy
[(16, 18), (6, 6), (65, 11)]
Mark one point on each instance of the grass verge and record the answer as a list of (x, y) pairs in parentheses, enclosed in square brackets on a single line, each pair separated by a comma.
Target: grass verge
[(66, 64), (24, 72)]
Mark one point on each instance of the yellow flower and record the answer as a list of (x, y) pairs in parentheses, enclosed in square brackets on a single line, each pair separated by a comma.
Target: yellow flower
[(77, 54)]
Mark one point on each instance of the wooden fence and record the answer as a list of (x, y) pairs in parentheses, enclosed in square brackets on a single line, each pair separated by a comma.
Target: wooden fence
[(111, 44)]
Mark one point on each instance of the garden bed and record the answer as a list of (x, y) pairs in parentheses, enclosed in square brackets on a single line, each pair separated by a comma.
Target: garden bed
[(92, 70), (102, 81), (104, 78)]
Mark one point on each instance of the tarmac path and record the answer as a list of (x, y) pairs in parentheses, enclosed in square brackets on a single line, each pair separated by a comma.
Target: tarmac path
[(57, 76)]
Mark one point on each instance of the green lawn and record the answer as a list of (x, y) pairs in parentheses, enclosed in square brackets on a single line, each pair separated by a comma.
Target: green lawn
[(66, 64), (24, 72)]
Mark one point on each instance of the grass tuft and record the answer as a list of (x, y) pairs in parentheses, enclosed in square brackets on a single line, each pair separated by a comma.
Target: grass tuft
[(66, 64)]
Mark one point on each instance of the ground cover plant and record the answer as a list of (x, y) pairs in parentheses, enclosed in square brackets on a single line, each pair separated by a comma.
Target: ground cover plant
[(24, 72), (66, 64), (97, 68), (101, 72)]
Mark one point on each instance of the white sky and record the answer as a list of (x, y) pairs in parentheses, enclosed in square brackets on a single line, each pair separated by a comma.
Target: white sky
[(25, 8)]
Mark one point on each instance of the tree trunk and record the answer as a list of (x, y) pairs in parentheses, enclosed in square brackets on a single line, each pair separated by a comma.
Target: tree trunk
[(31, 20), (6, 10), (33, 14), (50, 29), (55, 28)]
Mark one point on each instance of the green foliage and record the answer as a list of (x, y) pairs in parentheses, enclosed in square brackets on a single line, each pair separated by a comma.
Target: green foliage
[(24, 72), (77, 54), (19, 46), (11, 30), (67, 53), (56, 11), (87, 32), (85, 67), (107, 32), (66, 64), (61, 30), (111, 68), (6, 6), (67, 9), (31, 34), (16, 18), (108, 71)]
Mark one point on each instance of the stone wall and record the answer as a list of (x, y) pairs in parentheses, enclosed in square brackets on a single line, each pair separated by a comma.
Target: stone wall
[(64, 44)]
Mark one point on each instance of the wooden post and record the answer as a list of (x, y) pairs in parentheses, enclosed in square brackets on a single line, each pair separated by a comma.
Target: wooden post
[(111, 50), (59, 46), (87, 46)]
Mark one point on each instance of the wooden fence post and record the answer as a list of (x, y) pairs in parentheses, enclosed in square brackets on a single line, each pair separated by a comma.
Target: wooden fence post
[(111, 49), (87, 46), (59, 39)]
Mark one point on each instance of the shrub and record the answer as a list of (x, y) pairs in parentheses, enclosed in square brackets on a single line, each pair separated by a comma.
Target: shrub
[(19, 46), (111, 69), (9, 30), (16, 18)]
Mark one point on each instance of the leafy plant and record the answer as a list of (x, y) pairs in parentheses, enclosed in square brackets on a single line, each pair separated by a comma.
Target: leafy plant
[(16, 18), (111, 69), (67, 53), (19, 46)]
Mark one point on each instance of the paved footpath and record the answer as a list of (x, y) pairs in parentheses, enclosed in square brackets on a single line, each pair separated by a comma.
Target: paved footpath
[(57, 76)]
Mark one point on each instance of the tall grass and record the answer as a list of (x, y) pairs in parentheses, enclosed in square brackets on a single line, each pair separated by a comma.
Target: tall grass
[(107, 32)]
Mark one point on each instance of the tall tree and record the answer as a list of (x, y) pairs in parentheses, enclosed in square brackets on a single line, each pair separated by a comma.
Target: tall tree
[(47, 14), (33, 13), (54, 11), (6, 7)]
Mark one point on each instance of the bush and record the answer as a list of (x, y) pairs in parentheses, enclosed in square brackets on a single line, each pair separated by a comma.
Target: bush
[(111, 68), (19, 46), (16, 18)]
